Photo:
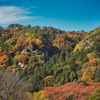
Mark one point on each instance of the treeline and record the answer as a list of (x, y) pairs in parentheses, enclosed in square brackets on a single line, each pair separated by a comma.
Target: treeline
[(50, 57)]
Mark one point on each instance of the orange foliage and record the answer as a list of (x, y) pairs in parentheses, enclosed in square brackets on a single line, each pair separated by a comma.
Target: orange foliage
[(8, 69), (14, 49), (3, 59), (93, 62), (70, 91), (12, 31), (38, 42), (0, 49), (60, 37), (21, 42), (22, 58)]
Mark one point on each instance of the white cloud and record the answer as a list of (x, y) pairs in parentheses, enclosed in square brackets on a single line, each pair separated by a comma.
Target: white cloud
[(13, 13)]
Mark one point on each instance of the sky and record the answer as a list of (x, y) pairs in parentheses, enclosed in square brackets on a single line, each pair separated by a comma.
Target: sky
[(68, 15)]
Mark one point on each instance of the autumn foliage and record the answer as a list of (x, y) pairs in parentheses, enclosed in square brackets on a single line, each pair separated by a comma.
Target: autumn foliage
[(70, 91), (51, 57), (3, 59)]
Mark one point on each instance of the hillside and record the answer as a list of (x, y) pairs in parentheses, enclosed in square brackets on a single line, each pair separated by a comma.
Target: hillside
[(50, 57), (69, 91)]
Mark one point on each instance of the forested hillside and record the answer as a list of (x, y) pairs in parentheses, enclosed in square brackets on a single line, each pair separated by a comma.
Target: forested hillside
[(49, 57)]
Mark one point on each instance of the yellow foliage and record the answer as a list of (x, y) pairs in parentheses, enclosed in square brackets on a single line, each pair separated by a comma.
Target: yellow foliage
[(93, 68), (36, 96), (48, 78), (10, 42), (78, 46), (87, 75), (90, 55), (2, 35), (25, 53), (38, 42), (39, 95), (29, 34)]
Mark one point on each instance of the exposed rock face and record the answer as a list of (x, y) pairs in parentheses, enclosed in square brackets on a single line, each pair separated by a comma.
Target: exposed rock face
[(14, 70), (33, 52), (87, 44), (26, 50), (42, 61), (21, 64), (46, 54)]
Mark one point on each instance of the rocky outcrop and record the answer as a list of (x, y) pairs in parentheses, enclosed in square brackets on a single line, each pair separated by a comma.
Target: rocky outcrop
[(87, 43), (25, 50), (21, 64)]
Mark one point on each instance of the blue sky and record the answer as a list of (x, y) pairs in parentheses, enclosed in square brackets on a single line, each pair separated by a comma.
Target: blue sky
[(67, 15)]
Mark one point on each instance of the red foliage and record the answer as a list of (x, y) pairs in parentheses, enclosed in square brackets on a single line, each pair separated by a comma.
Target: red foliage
[(60, 37), (70, 91), (2, 54), (21, 42), (22, 58), (8, 69)]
